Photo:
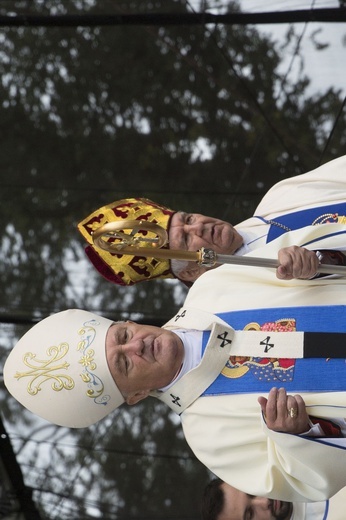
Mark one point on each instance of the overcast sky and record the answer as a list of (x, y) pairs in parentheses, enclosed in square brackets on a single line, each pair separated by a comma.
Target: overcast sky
[(324, 67)]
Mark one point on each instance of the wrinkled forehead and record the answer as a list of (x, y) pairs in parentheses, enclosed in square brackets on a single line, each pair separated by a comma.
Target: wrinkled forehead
[(114, 332), (176, 230), (177, 218)]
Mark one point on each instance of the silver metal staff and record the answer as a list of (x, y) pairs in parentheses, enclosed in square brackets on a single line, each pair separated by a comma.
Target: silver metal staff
[(126, 238)]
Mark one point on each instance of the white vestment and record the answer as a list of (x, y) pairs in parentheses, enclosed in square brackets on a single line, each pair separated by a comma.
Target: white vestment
[(227, 432), (332, 509), (320, 187)]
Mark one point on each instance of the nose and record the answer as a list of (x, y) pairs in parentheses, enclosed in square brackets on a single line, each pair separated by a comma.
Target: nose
[(135, 346), (261, 503), (262, 508)]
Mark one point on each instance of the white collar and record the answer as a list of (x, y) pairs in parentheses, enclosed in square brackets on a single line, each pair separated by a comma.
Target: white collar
[(192, 341)]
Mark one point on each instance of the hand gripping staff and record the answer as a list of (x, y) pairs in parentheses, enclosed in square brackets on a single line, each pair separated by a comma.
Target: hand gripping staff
[(141, 238)]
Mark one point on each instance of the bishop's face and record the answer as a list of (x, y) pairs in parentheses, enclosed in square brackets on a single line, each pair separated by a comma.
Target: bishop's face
[(191, 231), (142, 358)]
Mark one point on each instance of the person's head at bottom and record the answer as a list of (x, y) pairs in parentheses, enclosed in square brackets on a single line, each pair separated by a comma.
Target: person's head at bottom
[(224, 502), (74, 367)]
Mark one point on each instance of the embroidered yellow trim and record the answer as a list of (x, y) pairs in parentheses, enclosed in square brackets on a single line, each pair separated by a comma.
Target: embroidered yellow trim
[(42, 370)]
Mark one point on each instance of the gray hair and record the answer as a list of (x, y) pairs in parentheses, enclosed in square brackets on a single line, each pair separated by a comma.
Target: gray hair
[(178, 266)]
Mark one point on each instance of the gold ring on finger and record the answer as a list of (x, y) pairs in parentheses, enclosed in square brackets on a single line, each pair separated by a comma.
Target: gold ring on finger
[(292, 412)]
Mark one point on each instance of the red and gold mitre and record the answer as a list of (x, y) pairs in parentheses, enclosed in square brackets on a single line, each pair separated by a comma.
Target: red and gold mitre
[(126, 269)]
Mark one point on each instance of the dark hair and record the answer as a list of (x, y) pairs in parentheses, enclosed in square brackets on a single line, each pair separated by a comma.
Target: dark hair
[(212, 500)]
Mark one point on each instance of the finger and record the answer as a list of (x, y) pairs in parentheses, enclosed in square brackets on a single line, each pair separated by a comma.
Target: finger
[(271, 407), (263, 403), (300, 404), (291, 262), (284, 270), (301, 421), (300, 262), (282, 274), (292, 407), (305, 263), (309, 264), (299, 266), (281, 405)]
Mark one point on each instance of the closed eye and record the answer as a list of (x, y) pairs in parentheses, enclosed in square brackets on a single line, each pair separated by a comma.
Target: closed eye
[(124, 336), (249, 514)]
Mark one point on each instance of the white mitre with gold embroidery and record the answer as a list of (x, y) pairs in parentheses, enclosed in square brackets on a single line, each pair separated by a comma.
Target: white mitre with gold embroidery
[(59, 371)]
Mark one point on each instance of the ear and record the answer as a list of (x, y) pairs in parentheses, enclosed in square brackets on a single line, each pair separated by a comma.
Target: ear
[(136, 397), (191, 272)]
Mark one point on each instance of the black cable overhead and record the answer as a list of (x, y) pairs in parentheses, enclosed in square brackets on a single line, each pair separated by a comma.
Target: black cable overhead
[(334, 15)]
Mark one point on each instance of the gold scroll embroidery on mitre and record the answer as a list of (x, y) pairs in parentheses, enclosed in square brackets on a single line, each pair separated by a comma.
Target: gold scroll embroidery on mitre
[(43, 370)]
